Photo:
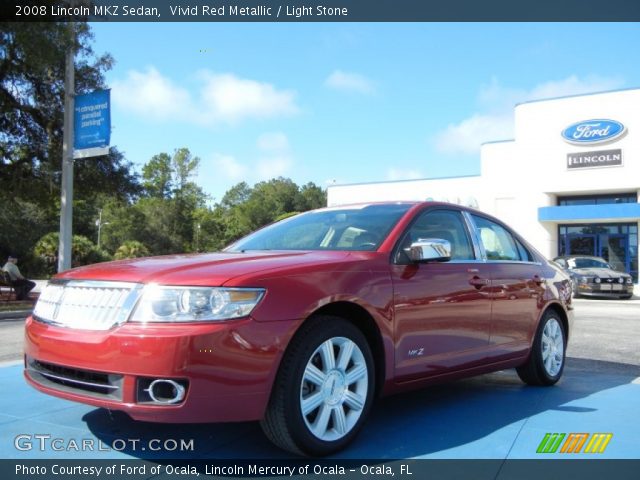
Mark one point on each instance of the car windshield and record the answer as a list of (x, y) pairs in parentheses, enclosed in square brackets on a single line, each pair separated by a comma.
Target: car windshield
[(344, 228), (583, 262)]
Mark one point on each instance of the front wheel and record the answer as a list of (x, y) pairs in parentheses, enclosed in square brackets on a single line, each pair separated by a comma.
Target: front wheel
[(547, 357), (324, 389)]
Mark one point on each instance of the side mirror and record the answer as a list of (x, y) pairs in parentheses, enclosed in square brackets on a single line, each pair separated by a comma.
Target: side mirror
[(429, 249)]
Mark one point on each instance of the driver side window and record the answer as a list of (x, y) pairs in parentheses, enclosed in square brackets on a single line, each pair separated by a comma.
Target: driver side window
[(442, 224)]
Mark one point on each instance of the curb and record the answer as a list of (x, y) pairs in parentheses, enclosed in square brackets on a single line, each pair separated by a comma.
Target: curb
[(15, 314)]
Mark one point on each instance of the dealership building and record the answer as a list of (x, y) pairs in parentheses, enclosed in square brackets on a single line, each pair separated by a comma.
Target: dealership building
[(568, 182)]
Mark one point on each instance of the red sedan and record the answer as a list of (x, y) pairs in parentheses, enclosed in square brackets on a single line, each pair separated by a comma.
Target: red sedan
[(303, 323)]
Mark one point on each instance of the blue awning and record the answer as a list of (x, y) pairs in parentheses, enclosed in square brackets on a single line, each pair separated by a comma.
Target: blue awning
[(584, 213)]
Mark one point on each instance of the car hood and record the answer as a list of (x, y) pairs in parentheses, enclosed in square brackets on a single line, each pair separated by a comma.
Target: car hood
[(213, 269), (599, 272)]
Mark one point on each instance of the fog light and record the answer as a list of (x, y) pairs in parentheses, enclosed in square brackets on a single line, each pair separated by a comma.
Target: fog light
[(161, 391), (166, 391)]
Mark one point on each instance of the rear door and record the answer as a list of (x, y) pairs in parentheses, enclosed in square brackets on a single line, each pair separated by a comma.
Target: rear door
[(517, 285), (442, 309)]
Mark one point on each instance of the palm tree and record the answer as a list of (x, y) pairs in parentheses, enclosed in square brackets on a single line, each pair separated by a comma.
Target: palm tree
[(131, 249)]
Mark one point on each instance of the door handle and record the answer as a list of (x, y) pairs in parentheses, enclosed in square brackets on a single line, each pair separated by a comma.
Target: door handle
[(479, 282)]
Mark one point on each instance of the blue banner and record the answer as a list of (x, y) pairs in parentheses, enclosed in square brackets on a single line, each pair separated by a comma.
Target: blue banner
[(92, 120)]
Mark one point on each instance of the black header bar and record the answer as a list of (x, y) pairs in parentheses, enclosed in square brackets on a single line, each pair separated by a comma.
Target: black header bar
[(314, 469), (321, 10)]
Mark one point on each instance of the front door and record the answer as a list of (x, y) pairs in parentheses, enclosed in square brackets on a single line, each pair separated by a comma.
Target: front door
[(442, 309), (613, 248)]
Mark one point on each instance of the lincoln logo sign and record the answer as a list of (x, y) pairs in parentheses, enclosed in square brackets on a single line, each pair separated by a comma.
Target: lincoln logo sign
[(592, 131), (601, 158)]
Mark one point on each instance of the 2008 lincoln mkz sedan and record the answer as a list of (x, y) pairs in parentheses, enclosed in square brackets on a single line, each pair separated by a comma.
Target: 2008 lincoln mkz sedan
[(303, 323)]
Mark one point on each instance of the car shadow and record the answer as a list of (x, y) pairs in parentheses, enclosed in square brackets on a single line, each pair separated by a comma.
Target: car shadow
[(422, 423)]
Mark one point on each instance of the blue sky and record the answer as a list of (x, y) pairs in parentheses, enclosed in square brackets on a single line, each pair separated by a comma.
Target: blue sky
[(344, 103)]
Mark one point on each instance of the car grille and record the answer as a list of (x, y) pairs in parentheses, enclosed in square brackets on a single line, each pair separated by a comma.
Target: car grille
[(66, 379), (87, 305)]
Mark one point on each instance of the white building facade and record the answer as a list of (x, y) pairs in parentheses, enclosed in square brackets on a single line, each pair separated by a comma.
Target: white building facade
[(568, 182)]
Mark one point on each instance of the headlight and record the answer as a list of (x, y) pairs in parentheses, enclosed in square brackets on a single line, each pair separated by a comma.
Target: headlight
[(195, 304), (629, 281), (597, 280), (621, 280)]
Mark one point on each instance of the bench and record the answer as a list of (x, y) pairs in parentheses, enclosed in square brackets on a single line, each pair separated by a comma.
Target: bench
[(6, 285)]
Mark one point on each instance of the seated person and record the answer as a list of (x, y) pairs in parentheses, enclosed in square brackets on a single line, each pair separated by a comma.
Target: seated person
[(21, 285)]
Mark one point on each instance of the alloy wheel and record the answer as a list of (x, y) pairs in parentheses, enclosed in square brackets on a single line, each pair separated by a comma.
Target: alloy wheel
[(334, 388), (552, 347)]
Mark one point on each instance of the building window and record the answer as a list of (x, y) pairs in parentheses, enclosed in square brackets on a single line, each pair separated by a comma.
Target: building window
[(606, 199), (616, 243)]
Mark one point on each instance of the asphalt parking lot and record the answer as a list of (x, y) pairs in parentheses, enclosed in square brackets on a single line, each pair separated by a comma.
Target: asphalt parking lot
[(489, 417)]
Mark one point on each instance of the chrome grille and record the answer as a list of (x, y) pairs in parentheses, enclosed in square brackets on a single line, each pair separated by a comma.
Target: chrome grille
[(86, 382), (87, 305)]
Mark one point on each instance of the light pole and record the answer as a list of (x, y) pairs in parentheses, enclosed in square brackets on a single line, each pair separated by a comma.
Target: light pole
[(99, 224), (66, 193)]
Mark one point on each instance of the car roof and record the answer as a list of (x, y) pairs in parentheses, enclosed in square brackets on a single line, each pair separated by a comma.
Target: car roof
[(412, 203)]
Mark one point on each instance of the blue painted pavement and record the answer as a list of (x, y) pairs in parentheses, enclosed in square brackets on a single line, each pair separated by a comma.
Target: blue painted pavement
[(489, 417)]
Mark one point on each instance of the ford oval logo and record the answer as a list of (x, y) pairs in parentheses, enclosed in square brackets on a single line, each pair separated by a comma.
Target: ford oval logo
[(593, 131)]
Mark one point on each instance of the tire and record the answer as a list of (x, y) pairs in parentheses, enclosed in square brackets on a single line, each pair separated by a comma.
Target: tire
[(324, 389), (546, 360)]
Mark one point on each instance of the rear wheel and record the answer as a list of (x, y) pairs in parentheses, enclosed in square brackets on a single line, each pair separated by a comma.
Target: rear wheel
[(324, 389), (547, 357)]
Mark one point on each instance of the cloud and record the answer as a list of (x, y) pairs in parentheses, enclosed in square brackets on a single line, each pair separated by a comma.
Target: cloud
[(495, 120), (150, 94), (497, 97), (220, 98), (229, 166), (403, 174), (274, 159), (468, 135), (350, 82), (231, 99), (575, 86)]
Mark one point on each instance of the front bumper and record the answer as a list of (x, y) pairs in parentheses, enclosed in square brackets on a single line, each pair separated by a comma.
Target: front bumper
[(228, 367), (615, 290)]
